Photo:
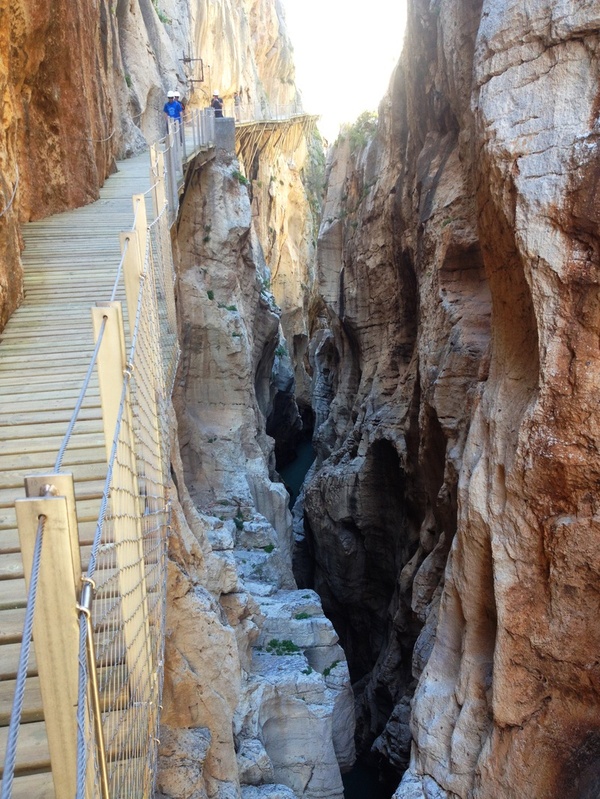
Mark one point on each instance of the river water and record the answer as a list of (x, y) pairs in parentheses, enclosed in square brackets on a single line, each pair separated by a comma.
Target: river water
[(294, 473)]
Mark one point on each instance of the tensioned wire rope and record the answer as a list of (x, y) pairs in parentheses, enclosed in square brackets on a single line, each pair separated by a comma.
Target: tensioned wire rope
[(21, 676), (17, 708), (89, 575)]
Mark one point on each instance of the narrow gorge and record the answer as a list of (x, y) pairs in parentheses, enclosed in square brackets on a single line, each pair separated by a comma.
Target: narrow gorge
[(414, 311)]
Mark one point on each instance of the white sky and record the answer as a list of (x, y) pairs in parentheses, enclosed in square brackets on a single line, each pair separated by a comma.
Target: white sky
[(344, 52)]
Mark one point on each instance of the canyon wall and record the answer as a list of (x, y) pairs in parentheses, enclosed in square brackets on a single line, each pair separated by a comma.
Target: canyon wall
[(451, 524), (257, 699), (85, 83), (257, 691)]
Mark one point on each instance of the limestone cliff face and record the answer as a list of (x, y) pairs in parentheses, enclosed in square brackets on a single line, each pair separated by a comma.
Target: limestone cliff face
[(257, 689), (83, 83), (245, 45), (453, 521)]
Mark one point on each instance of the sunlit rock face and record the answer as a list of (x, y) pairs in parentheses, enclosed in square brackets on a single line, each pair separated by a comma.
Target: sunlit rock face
[(459, 464), (75, 78), (250, 660), (245, 46)]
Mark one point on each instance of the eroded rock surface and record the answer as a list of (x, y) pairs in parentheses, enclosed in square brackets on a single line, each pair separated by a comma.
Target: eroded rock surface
[(452, 521), (250, 659)]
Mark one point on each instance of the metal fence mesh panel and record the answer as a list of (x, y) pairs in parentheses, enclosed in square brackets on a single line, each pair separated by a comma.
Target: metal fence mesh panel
[(128, 612), (161, 254)]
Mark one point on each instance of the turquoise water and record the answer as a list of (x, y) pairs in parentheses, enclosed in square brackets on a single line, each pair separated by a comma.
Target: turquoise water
[(294, 473)]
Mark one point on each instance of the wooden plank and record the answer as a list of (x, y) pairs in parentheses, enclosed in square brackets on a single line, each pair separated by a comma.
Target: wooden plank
[(33, 446), (32, 701), (13, 594), (32, 751), (33, 786), (50, 429), (48, 401), (90, 484), (11, 625), (9, 661), (44, 417), (36, 460)]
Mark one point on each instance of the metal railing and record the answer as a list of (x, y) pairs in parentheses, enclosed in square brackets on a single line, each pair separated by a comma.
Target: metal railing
[(261, 112), (99, 633), (183, 140)]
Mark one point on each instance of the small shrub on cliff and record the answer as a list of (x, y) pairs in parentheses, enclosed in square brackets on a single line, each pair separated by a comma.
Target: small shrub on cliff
[(302, 615), (269, 548), (240, 178), (361, 132), (329, 669), (286, 647), (210, 294)]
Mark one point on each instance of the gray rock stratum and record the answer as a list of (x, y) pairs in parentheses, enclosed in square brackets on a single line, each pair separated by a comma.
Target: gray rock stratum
[(453, 521)]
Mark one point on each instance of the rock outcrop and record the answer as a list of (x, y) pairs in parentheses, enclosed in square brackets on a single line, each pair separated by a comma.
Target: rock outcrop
[(85, 83), (452, 520), (257, 689)]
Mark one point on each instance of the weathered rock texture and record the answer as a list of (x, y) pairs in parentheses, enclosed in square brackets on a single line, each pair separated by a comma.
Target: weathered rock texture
[(257, 689), (244, 45), (453, 522), (84, 83)]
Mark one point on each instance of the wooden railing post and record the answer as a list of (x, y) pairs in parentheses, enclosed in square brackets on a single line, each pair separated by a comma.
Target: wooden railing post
[(124, 499), (56, 624)]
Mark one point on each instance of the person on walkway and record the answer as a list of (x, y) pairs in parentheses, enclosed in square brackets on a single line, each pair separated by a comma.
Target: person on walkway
[(172, 107), (180, 101), (237, 106), (217, 104), (173, 110)]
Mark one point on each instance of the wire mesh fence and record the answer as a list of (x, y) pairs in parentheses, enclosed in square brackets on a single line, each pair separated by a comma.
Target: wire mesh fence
[(114, 648), (128, 559)]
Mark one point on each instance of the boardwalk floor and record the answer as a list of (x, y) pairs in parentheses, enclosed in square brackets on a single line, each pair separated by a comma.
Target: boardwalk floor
[(70, 262)]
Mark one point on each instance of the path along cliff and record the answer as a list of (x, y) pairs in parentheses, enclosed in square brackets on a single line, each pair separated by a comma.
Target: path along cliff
[(450, 522), (257, 699)]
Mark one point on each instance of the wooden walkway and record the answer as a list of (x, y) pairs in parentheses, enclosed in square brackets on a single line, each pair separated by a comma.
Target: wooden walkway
[(70, 262)]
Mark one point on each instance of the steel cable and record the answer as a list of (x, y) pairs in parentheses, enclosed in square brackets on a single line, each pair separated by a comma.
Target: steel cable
[(17, 708), (82, 393)]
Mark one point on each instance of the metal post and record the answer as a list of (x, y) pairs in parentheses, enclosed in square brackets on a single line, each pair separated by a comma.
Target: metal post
[(158, 193), (182, 138), (85, 607)]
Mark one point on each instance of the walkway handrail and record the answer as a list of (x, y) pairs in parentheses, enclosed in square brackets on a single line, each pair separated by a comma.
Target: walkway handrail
[(184, 139), (112, 656), (261, 111), (107, 622)]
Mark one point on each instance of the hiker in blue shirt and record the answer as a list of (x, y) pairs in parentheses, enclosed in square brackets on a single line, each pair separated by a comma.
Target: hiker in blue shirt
[(172, 107), (173, 110)]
